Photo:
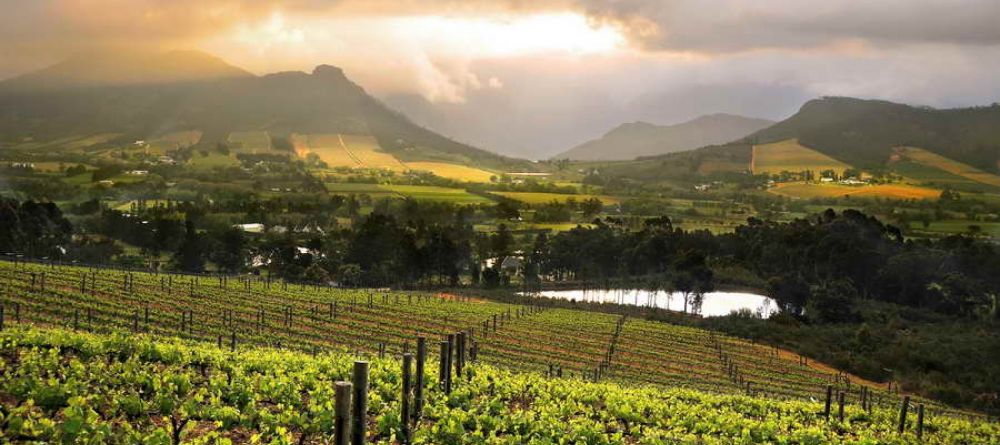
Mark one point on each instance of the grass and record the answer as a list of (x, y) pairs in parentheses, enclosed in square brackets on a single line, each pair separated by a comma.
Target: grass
[(453, 171), (545, 198), (214, 159), (173, 140), (807, 190), (951, 227), (441, 194), (947, 169), (249, 141), (790, 156)]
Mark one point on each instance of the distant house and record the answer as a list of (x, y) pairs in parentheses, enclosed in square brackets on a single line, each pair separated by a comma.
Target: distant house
[(250, 228), (106, 183), (137, 172), (826, 179)]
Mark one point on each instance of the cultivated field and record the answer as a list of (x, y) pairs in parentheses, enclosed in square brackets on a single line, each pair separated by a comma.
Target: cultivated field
[(453, 171), (949, 167), (249, 141), (790, 156), (806, 190), (545, 198)]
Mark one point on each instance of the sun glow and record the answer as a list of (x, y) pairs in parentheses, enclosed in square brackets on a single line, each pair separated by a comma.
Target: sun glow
[(511, 36)]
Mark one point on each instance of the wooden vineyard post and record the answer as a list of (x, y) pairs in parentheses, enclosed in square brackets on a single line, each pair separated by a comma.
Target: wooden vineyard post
[(404, 405), (920, 421), (448, 363), (840, 406), (460, 356), (902, 414), (360, 413), (829, 395), (1, 316), (418, 393), (342, 414), (443, 365), (232, 341)]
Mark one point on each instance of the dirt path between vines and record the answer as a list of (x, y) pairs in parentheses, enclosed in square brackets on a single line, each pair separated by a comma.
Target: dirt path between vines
[(823, 367)]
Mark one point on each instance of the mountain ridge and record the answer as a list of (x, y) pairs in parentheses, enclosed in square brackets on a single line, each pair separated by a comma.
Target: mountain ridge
[(643, 139), (322, 101)]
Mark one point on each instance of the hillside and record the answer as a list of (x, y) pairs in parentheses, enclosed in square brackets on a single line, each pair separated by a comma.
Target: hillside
[(633, 140), (863, 133), (181, 96)]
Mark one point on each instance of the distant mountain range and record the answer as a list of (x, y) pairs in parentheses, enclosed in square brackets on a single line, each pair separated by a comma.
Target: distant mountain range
[(143, 95), (639, 139)]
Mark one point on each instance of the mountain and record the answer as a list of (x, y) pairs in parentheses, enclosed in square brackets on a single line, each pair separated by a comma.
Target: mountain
[(637, 139), (863, 132), (125, 68), (194, 91)]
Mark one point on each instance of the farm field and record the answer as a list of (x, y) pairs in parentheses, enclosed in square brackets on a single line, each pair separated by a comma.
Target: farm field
[(441, 194), (612, 367), (345, 150), (950, 170), (545, 198), (173, 141), (791, 156), (951, 227), (806, 190), (249, 141), (212, 160), (453, 171)]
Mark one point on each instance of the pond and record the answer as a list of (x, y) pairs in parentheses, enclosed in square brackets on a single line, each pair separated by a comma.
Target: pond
[(713, 304)]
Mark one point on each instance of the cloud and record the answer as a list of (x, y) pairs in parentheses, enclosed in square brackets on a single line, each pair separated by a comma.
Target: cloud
[(723, 26)]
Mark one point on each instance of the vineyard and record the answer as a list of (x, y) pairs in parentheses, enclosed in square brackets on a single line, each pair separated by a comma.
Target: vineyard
[(96, 355)]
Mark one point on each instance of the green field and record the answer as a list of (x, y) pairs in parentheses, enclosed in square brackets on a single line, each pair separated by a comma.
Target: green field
[(790, 156), (441, 194), (927, 167), (249, 141), (952, 227), (545, 198)]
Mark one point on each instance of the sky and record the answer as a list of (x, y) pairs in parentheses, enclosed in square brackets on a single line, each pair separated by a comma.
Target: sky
[(532, 78)]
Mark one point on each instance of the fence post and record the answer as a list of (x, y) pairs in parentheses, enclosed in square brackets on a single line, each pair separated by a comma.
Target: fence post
[(840, 407), (920, 421), (342, 413), (419, 390), (829, 395), (443, 365), (902, 414), (360, 378), (404, 405), (449, 361), (460, 356)]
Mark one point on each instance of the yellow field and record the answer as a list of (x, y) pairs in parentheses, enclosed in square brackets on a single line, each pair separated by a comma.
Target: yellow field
[(369, 153), (815, 190), (544, 198), (790, 156), (930, 159), (329, 148), (453, 171), (346, 150)]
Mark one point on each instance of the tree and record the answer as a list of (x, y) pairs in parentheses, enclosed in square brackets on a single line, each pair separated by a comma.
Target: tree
[(790, 292), (190, 257), (230, 250)]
